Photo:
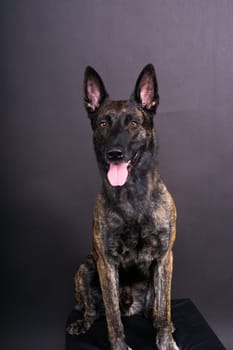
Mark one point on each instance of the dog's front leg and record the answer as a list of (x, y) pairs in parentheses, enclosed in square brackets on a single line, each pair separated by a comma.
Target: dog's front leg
[(162, 303), (109, 281)]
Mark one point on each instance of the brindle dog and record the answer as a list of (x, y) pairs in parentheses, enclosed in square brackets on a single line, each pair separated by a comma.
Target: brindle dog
[(129, 269)]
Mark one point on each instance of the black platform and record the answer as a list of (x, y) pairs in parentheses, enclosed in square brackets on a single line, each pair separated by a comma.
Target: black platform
[(192, 331)]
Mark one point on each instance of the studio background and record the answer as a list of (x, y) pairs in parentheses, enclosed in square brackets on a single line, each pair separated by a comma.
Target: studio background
[(48, 168)]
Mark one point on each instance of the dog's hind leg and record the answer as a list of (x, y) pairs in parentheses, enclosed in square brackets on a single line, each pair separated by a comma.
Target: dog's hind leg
[(87, 296)]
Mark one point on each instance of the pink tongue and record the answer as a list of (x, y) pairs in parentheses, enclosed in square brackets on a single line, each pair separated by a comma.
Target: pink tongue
[(117, 174)]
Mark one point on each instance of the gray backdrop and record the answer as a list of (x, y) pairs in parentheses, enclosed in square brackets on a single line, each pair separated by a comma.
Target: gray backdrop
[(49, 174)]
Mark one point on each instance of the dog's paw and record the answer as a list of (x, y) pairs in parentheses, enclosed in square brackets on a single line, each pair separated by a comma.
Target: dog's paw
[(120, 345), (165, 341), (78, 327), (123, 347)]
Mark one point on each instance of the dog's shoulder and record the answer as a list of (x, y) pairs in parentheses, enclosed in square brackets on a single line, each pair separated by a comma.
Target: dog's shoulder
[(165, 209)]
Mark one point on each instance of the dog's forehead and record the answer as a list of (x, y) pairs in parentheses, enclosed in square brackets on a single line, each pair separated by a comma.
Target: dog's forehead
[(120, 108)]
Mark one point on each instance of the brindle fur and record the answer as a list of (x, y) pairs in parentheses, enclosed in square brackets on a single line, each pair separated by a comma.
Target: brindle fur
[(129, 269)]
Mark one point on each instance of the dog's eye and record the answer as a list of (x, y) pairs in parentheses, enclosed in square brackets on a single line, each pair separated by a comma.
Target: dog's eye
[(103, 124), (133, 124)]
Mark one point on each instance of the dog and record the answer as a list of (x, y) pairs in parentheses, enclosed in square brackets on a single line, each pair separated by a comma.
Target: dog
[(129, 269)]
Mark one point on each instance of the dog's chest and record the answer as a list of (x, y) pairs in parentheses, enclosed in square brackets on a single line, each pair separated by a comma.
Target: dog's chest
[(137, 242)]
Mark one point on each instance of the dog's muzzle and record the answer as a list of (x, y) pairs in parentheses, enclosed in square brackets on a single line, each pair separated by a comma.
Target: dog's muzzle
[(119, 169)]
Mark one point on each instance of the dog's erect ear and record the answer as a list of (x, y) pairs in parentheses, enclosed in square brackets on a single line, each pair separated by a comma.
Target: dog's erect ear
[(94, 90), (146, 89)]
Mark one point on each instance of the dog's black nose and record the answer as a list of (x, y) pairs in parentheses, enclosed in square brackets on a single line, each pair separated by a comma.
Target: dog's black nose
[(115, 154)]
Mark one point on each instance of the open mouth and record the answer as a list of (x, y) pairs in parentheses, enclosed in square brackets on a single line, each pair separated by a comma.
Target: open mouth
[(118, 172)]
